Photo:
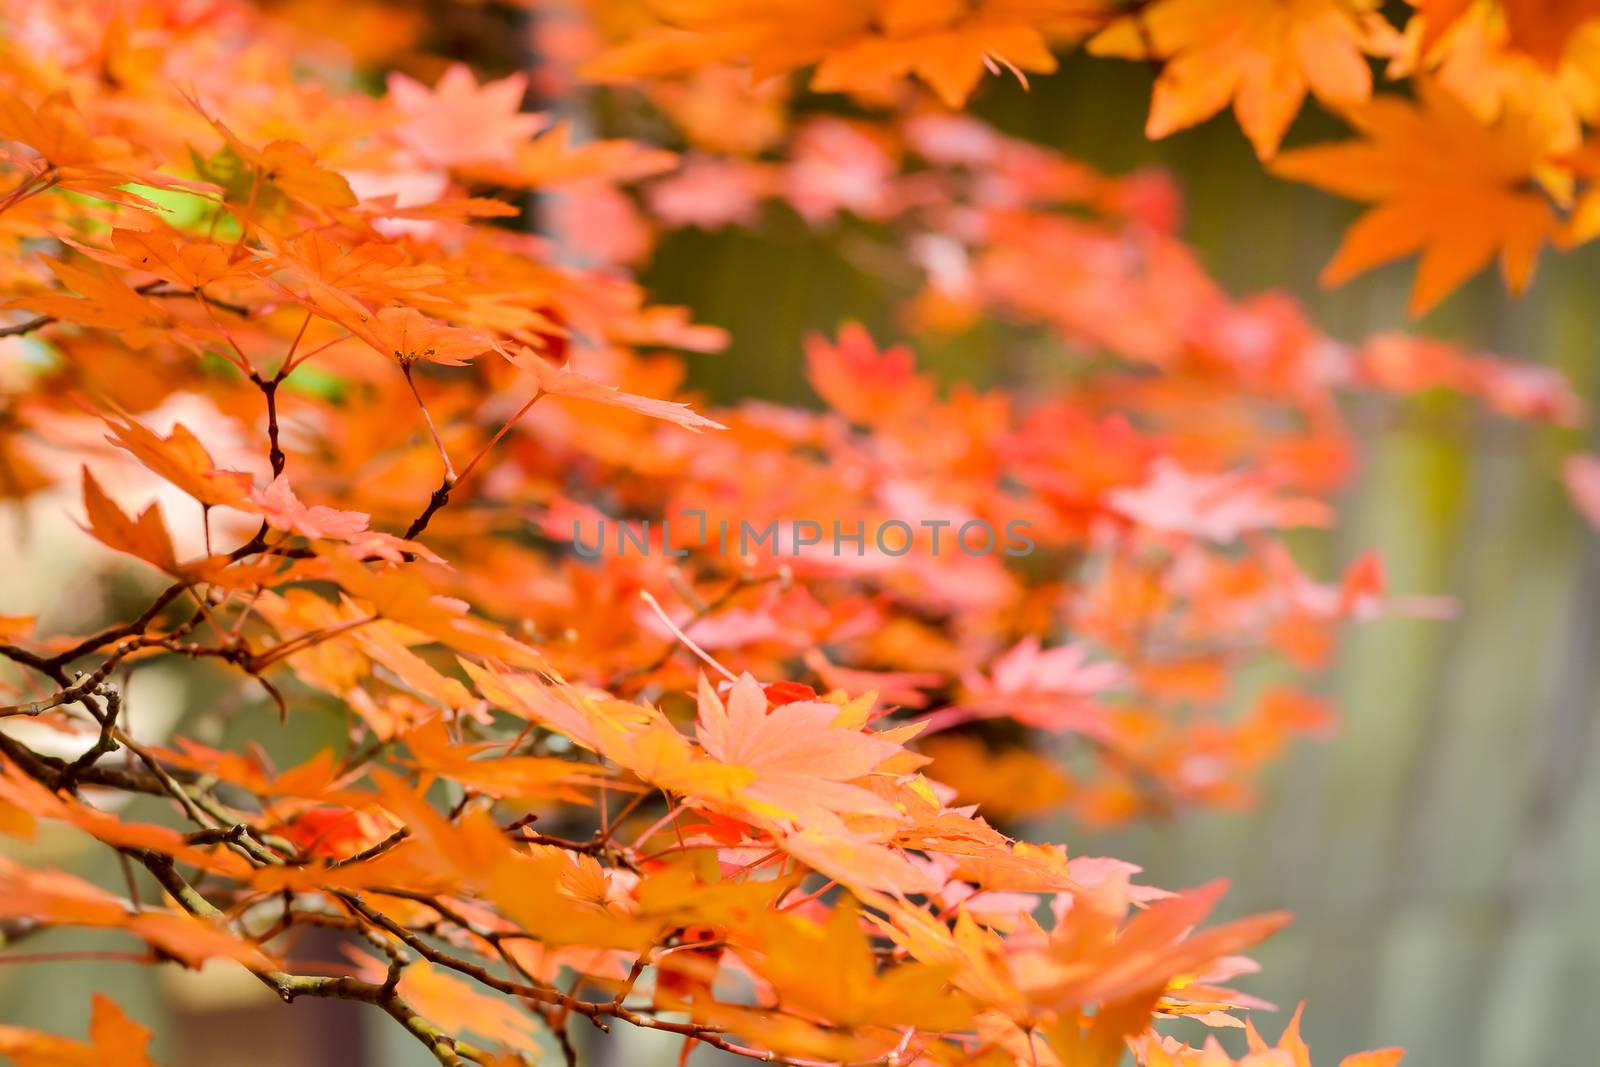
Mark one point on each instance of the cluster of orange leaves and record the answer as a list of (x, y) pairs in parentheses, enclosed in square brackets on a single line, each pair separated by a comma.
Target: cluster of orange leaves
[(380, 415), (1490, 157)]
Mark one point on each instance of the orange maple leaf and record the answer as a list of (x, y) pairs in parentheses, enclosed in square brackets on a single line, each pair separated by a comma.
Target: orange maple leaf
[(803, 762), (1262, 55), (105, 302), (144, 537), (114, 1041), (283, 510), (860, 48), (864, 383), (1444, 185), (409, 336), (181, 459), (565, 382), (1542, 28)]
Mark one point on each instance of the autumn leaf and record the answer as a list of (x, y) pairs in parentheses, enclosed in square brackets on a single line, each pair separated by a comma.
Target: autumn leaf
[(105, 302), (168, 255), (334, 273), (566, 382), (1291, 1051), (1443, 185), (21, 793), (181, 459), (60, 898), (1259, 55), (410, 336), (287, 167), (453, 1002), (460, 122), (283, 510), (860, 994), (70, 157), (1437, 17), (1052, 688), (555, 159), (863, 48), (504, 776), (1543, 28), (145, 537), (863, 383), (114, 1041), (802, 762)]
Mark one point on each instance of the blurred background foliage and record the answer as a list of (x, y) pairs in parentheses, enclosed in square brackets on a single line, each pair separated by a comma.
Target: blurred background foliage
[(1438, 852)]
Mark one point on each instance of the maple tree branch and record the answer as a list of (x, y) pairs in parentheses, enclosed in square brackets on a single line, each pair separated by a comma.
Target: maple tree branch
[(35, 323), (269, 390), (289, 986), (445, 1048), (440, 497), (38, 322), (117, 633)]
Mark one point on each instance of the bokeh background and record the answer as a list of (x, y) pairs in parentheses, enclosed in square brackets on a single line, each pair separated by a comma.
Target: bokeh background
[(1440, 853)]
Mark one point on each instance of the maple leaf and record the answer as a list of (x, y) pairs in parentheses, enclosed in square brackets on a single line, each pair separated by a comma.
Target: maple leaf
[(863, 48), (313, 779), (284, 511), (169, 255), (859, 861), (1096, 957), (181, 459), (59, 898), (859, 993), (565, 382), (406, 598), (802, 761), (145, 537), (409, 336), (519, 777), (330, 832), (20, 793), (1543, 28), (460, 122), (1437, 17), (951, 43), (1261, 55), (553, 159), (1152, 1050), (863, 383), (1444, 185), (105, 302), (341, 276), (73, 158), (288, 167), (453, 1003), (114, 1041), (532, 888), (1050, 688), (1217, 507)]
